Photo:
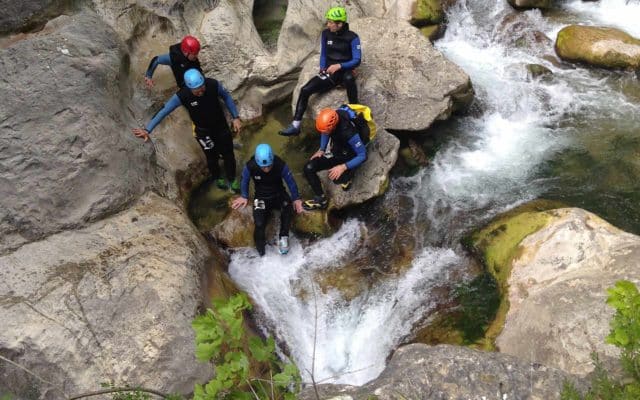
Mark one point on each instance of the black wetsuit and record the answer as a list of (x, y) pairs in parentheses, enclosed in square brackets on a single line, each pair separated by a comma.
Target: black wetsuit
[(346, 148), (341, 47), (270, 194), (210, 127)]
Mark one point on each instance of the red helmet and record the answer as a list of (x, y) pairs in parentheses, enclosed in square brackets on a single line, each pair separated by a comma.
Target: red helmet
[(190, 45), (327, 120)]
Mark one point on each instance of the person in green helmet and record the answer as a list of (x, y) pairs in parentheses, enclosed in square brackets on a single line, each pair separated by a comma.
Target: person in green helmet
[(340, 54)]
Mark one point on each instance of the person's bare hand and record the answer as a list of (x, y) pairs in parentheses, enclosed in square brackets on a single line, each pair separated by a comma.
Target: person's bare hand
[(297, 205), (239, 202), (236, 125), (317, 154), (333, 68), (141, 133), (337, 171), (148, 81)]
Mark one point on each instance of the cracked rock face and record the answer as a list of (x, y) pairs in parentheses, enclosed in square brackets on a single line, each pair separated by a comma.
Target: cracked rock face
[(450, 372), (67, 155), (558, 313), (111, 302)]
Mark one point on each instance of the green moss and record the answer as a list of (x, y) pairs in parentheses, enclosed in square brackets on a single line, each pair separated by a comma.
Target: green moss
[(427, 12), (479, 301), (498, 244), (430, 31)]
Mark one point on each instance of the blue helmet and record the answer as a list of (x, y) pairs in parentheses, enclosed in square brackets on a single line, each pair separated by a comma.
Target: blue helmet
[(193, 78), (264, 155)]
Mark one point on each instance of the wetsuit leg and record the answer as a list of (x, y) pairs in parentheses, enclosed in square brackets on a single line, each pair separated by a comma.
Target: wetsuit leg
[(319, 164), (260, 218), (208, 146), (315, 85), (224, 145), (349, 82), (286, 215)]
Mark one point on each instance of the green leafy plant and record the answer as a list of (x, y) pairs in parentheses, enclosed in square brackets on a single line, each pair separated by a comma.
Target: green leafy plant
[(625, 334), (221, 338)]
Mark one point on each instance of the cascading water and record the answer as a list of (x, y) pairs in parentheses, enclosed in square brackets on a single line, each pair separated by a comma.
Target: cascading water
[(490, 163)]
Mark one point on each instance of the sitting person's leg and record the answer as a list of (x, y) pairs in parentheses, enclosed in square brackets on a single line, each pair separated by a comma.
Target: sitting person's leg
[(315, 85)]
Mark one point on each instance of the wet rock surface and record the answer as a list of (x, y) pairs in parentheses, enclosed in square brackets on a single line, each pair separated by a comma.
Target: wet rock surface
[(450, 372), (598, 46)]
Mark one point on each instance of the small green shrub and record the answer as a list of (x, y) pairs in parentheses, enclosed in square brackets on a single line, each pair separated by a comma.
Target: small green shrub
[(221, 338), (624, 334)]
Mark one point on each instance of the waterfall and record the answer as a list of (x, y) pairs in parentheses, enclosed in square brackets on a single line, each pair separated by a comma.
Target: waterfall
[(493, 160)]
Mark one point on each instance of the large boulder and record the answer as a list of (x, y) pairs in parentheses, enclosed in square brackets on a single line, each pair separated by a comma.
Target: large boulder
[(407, 83), (112, 302), (419, 371), (370, 179), (67, 154), (558, 314), (598, 46)]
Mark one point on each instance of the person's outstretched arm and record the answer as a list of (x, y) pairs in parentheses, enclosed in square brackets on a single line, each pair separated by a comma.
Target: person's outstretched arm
[(163, 59), (169, 106)]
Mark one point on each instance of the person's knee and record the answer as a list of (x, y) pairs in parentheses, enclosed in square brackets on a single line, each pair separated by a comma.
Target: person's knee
[(310, 168), (348, 79)]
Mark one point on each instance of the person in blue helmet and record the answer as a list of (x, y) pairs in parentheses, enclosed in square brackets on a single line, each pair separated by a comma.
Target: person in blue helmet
[(181, 57), (200, 97), (268, 171), (340, 54)]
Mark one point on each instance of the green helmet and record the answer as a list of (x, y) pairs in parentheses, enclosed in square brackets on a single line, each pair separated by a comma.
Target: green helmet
[(338, 14)]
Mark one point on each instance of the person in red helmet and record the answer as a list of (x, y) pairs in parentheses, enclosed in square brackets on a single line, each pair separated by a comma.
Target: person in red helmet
[(348, 152), (181, 57)]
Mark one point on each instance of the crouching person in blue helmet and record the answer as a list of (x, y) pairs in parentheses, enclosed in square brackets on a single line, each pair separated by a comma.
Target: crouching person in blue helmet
[(200, 98), (268, 171)]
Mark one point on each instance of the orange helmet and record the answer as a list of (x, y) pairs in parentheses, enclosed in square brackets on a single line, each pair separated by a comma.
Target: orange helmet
[(326, 121)]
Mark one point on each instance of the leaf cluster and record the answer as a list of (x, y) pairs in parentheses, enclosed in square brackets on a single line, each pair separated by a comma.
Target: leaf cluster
[(221, 339), (625, 334)]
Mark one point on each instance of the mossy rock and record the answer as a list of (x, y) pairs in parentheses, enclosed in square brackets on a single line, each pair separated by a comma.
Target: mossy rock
[(538, 71), (431, 32), (498, 243), (313, 223), (427, 12), (598, 46), (527, 4)]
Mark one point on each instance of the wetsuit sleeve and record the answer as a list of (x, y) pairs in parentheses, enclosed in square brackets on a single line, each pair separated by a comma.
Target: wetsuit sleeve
[(361, 152), (324, 141), (244, 183), (169, 106), (291, 183), (163, 59), (323, 51), (228, 101), (356, 55)]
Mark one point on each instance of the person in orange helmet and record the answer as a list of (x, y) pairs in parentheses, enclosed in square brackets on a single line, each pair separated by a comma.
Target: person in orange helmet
[(182, 57), (348, 152)]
